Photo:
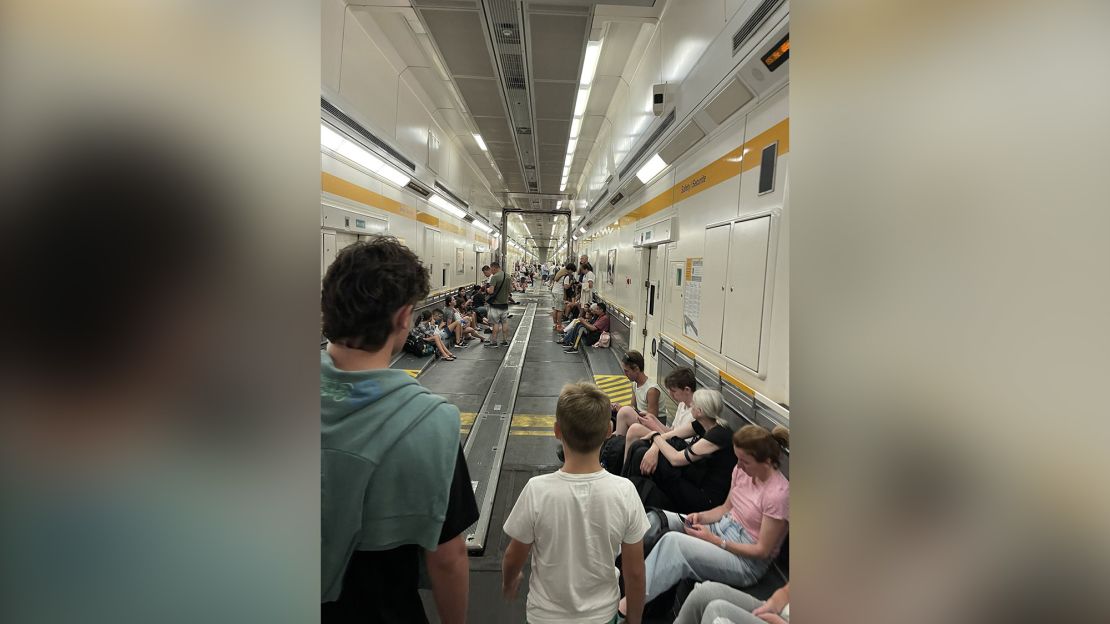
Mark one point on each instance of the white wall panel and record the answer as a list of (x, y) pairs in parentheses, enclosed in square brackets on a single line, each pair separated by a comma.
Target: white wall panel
[(768, 114), (331, 41), (368, 81), (711, 317), (744, 299), (413, 122), (687, 27)]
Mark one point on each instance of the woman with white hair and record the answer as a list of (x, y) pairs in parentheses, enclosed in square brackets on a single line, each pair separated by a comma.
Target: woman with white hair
[(693, 467)]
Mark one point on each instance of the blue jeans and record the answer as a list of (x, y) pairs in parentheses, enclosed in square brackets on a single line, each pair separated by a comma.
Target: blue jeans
[(680, 556), (714, 602)]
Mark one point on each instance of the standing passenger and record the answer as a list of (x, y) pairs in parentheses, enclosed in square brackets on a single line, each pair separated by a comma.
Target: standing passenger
[(395, 485), (587, 280), (575, 522), (498, 304)]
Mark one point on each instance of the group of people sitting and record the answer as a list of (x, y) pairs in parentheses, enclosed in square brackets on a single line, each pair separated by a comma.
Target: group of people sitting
[(724, 516), (396, 489)]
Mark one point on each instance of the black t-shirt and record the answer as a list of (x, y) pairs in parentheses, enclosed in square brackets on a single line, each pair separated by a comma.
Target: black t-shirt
[(479, 300), (714, 473), (379, 587)]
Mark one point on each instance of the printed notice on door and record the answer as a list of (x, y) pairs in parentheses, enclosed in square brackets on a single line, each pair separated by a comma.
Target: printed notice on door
[(691, 297)]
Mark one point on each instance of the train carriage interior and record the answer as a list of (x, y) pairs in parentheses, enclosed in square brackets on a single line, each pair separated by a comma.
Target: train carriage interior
[(649, 138)]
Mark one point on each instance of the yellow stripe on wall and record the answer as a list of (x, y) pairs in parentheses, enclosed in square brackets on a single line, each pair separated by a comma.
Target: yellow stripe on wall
[(338, 186), (728, 166)]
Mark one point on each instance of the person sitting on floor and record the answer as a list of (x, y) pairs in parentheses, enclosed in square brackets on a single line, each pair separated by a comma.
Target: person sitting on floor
[(744, 533), (713, 603), (692, 474), (647, 399), (588, 331), (429, 331), (460, 325)]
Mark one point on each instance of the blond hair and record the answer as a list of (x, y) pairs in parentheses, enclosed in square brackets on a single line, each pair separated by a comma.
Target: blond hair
[(709, 401), (583, 416), (762, 444)]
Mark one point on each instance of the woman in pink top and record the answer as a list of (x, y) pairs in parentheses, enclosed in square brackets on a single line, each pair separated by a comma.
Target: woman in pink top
[(735, 542)]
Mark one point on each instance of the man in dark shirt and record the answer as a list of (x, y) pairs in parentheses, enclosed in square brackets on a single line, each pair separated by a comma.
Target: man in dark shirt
[(390, 451), (498, 301)]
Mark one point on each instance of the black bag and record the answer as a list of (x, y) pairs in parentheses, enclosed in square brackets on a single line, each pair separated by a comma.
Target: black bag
[(612, 454), (657, 528), (650, 494), (417, 346)]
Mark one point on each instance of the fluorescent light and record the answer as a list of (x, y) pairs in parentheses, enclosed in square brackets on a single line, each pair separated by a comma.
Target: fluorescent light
[(589, 63), (482, 226), (394, 175), (650, 168), (582, 229), (481, 143), (439, 202), (575, 127), (563, 186), (330, 138), (580, 102), (573, 143), (356, 154), (575, 237)]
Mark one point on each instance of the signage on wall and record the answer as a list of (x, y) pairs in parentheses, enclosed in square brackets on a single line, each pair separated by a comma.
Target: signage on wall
[(691, 297)]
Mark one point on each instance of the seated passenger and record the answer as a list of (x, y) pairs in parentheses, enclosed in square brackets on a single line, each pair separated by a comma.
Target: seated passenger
[(745, 532), (428, 331), (588, 331), (575, 522), (460, 325), (680, 384), (647, 399), (710, 603), (693, 474)]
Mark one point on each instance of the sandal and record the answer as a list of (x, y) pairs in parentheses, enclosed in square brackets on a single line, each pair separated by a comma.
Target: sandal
[(449, 358)]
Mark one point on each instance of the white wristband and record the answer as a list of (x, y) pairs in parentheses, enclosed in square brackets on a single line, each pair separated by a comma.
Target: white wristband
[(724, 544)]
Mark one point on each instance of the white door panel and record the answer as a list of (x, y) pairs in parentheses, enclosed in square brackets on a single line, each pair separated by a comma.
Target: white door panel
[(747, 282), (711, 316)]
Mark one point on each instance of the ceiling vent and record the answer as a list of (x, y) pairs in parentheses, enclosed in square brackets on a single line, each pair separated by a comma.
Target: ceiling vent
[(754, 21), (356, 127), (683, 140), (659, 130), (598, 202)]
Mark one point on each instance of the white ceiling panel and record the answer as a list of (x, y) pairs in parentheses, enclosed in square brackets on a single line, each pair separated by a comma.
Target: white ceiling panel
[(483, 97), (461, 41), (555, 100), (552, 132), (494, 129), (557, 43)]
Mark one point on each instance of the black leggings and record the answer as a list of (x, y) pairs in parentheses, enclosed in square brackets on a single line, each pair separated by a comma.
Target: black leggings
[(686, 495)]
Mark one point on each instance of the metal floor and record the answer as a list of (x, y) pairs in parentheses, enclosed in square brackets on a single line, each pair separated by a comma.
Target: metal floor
[(531, 445)]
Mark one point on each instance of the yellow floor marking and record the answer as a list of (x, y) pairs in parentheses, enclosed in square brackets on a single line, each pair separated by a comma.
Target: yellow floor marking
[(412, 372), (617, 387), (533, 420), (467, 418), (549, 434)]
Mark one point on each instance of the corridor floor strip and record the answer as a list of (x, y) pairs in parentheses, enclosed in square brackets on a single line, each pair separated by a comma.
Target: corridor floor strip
[(485, 446)]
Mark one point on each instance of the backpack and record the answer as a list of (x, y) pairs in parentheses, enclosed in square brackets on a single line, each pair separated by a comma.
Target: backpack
[(417, 346), (603, 340)]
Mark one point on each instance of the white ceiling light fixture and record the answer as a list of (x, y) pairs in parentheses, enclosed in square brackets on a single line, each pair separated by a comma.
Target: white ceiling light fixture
[(359, 155), (575, 127), (481, 143), (445, 205), (652, 167), (589, 63), (582, 229), (482, 226)]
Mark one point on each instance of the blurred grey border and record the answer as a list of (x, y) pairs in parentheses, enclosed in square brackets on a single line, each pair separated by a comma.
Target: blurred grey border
[(951, 269), (159, 436)]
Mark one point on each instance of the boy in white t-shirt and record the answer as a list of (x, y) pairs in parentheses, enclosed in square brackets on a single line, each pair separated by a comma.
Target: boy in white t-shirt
[(577, 521)]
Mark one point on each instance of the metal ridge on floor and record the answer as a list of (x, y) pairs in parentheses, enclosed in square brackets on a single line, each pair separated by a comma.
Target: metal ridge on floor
[(485, 446)]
